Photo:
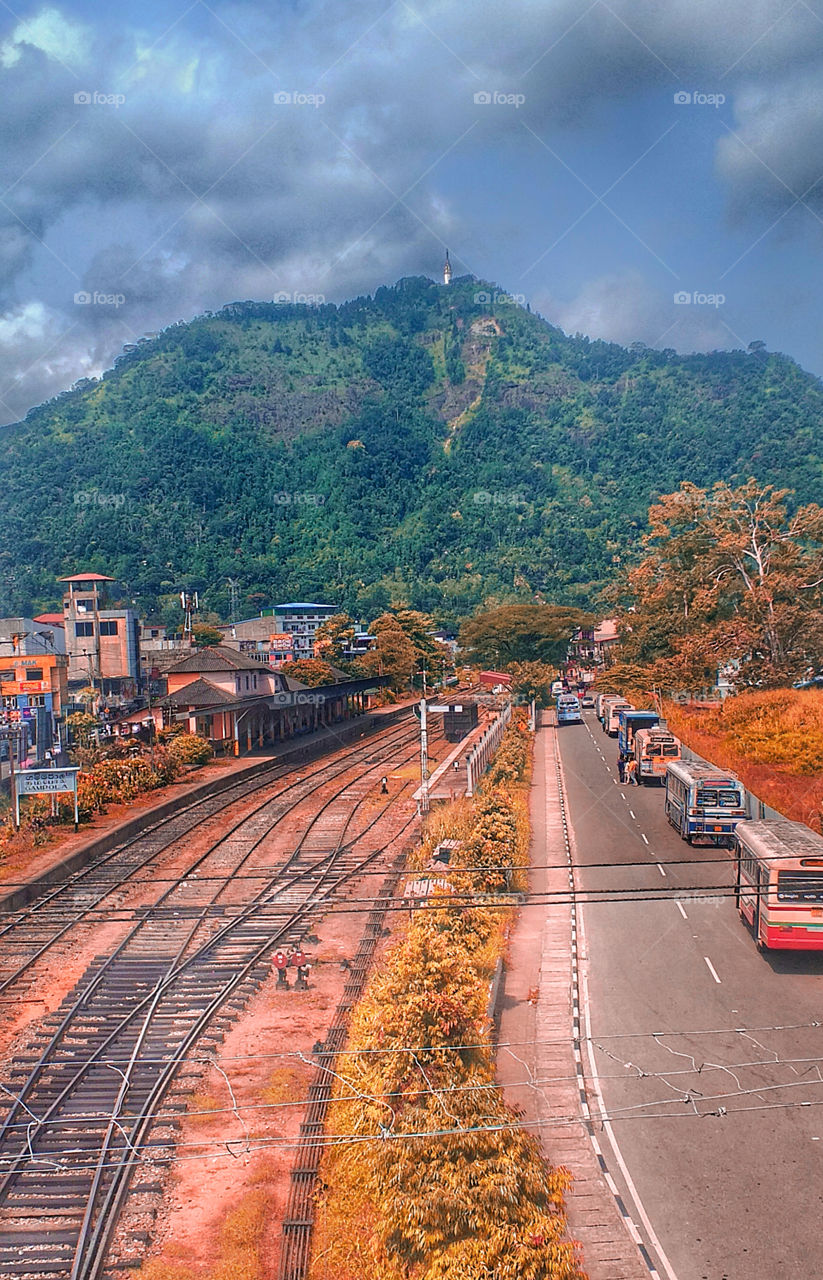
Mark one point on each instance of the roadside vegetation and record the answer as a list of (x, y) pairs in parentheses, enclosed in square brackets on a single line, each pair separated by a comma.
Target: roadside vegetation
[(115, 774), (773, 741), (434, 1179), (730, 580)]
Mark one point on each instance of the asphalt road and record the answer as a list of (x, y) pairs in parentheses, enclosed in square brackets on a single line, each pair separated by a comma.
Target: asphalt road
[(730, 1196)]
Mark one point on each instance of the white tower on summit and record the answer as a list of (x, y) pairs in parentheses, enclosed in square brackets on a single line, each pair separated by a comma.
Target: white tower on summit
[(447, 269)]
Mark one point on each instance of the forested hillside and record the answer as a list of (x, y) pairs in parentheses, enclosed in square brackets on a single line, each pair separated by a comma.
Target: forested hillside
[(433, 445)]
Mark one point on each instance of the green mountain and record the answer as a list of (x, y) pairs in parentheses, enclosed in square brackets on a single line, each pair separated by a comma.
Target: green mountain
[(434, 445)]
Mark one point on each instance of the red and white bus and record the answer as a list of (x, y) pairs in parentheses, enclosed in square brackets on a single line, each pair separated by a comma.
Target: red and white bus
[(779, 883)]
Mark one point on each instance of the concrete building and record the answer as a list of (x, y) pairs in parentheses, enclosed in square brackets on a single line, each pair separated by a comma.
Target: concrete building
[(24, 637), (34, 677), (260, 638), (102, 643), (301, 620)]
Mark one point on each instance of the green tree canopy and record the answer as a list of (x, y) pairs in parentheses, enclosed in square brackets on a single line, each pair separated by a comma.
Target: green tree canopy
[(521, 633)]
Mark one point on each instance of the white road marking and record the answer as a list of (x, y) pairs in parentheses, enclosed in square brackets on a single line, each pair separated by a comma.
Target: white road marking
[(680, 909), (644, 837), (594, 1083), (633, 814), (712, 969), (662, 870)]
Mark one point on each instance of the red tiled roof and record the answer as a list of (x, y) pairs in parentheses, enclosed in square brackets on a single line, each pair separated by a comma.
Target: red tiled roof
[(50, 619)]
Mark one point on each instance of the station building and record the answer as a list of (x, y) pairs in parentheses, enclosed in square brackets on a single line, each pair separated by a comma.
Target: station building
[(240, 704)]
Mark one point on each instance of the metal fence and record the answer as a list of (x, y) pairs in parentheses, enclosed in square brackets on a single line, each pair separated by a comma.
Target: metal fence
[(481, 754)]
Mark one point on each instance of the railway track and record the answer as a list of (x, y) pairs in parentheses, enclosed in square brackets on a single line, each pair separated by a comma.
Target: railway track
[(84, 1096), (26, 935)]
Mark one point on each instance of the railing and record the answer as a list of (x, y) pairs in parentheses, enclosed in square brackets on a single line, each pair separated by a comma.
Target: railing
[(481, 754)]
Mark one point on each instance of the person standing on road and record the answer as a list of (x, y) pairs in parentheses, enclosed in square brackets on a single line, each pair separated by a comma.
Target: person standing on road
[(631, 772)]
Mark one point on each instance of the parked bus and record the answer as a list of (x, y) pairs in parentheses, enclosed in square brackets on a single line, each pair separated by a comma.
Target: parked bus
[(702, 800), (600, 704), (629, 720), (779, 883), (654, 750), (612, 715), (568, 709)]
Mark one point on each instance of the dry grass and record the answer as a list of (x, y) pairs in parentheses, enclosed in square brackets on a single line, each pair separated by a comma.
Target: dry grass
[(201, 1105), (772, 740), (239, 1249), (286, 1084)]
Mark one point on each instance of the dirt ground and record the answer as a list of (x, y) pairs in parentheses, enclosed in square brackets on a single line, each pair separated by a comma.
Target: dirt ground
[(234, 1150)]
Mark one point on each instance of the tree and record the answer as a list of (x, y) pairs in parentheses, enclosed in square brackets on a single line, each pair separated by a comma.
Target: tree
[(204, 635), (732, 575), (333, 637), (311, 671), (394, 654), (532, 681), (515, 633)]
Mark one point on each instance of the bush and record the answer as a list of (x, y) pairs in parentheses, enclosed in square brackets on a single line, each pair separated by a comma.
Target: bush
[(451, 1187), (190, 748)]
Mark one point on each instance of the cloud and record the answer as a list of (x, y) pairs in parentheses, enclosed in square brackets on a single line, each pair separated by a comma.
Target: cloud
[(625, 307), (178, 181), (52, 34), (42, 356), (774, 156)]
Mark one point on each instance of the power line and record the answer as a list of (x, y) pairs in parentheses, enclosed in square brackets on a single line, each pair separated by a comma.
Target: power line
[(433, 903), (297, 1055), (448, 869), (83, 1118), (150, 1153)]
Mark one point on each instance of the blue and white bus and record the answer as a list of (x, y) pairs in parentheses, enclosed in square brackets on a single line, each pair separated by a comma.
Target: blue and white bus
[(702, 800), (568, 709)]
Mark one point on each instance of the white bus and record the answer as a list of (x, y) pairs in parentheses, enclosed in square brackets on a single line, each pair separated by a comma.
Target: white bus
[(611, 712), (702, 800), (779, 883)]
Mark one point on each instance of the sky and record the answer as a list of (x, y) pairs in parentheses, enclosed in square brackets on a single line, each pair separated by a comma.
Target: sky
[(636, 170)]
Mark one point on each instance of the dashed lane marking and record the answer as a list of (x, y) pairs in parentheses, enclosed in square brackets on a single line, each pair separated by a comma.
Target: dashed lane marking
[(712, 969), (661, 869), (680, 909), (644, 837)]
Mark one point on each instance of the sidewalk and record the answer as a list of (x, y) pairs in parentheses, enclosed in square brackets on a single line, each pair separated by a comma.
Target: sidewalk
[(537, 1059)]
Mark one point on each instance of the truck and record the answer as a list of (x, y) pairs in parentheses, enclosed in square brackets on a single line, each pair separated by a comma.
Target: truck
[(629, 720), (654, 750)]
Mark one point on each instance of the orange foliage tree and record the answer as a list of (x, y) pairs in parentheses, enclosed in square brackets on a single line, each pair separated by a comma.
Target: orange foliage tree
[(730, 575)]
